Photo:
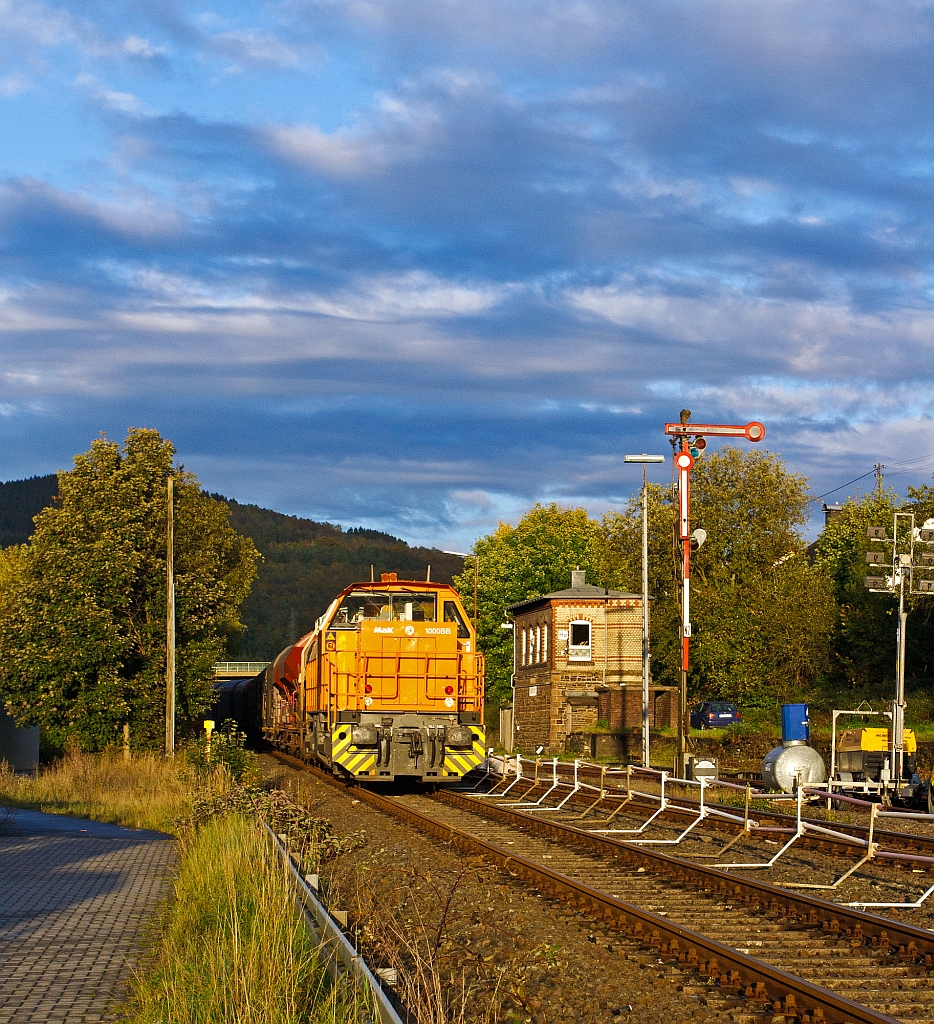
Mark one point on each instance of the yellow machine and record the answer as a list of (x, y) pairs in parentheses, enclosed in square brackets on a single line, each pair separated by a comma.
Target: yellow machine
[(389, 683), (867, 753)]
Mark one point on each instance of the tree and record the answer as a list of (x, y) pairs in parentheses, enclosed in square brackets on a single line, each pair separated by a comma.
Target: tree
[(82, 620), (865, 632), (761, 617), (532, 558)]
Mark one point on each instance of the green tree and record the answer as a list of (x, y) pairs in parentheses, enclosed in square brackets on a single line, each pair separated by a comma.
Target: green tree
[(762, 618), (532, 558), (82, 619), (865, 635)]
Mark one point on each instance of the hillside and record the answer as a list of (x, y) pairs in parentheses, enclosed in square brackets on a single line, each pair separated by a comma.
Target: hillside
[(305, 563)]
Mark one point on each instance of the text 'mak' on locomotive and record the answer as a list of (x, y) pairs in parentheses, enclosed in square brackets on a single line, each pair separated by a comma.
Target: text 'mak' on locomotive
[(388, 684)]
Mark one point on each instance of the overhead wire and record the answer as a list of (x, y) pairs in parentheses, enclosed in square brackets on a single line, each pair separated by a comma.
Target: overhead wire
[(913, 466)]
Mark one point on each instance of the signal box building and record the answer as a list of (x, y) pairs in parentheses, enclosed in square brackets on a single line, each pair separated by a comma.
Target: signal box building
[(578, 662)]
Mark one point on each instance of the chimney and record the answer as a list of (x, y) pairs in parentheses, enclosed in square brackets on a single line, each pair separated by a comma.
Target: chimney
[(578, 577), (831, 512)]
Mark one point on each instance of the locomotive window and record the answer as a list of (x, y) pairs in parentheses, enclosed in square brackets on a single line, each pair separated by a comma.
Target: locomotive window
[(395, 607), (451, 614)]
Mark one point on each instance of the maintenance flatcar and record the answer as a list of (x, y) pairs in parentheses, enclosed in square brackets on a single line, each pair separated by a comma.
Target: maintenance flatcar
[(388, 684)]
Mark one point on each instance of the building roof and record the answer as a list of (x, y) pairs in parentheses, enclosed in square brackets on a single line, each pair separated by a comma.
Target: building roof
[(586, 592)]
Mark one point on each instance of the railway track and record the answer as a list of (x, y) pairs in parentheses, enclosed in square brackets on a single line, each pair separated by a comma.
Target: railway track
[(755, 948), (908, 849)]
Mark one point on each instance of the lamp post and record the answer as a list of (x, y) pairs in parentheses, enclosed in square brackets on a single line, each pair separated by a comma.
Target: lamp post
[(644, 459)]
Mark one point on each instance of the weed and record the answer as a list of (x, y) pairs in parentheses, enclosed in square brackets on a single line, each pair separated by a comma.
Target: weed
[(230, 947)]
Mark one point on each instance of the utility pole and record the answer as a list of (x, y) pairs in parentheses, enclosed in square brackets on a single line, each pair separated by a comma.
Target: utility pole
[(646, 668), (170, 624), (878, 468), (688, 440)]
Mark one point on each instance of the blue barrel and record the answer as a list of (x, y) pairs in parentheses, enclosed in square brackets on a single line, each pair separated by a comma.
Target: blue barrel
[(795, 723)]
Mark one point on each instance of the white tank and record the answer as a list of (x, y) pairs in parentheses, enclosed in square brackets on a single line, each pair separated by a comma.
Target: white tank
[(791, 762)]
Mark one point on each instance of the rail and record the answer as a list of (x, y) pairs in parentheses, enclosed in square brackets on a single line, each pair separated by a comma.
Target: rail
[(342, 957)]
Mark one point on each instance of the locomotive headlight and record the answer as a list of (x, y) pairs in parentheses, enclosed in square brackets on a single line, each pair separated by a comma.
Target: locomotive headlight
[(363, 736), (458, 736)]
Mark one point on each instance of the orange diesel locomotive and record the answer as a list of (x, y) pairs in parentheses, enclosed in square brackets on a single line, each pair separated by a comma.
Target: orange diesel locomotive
[(388, 684)]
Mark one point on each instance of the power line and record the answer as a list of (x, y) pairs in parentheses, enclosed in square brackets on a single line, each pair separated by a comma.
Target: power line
[(877, 469)]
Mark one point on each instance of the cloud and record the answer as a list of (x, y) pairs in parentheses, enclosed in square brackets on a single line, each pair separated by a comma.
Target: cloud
[(418, 265)]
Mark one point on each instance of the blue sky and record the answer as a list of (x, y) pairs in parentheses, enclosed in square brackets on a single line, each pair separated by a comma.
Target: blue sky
[(415, 265)]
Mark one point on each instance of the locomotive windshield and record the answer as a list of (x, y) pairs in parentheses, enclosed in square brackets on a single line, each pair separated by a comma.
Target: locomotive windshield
[(389, 607)]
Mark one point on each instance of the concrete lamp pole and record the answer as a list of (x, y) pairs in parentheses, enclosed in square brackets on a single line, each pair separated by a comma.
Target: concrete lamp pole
[(646, 670)]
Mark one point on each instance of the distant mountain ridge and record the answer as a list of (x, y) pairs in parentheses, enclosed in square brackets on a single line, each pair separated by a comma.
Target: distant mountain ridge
[(305, 564)]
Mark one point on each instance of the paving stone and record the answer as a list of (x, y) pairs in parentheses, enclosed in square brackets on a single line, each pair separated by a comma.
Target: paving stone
[(75, 898)]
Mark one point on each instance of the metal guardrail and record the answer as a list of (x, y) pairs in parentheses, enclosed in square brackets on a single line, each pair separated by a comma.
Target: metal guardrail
[(343, 957), (228, 669)]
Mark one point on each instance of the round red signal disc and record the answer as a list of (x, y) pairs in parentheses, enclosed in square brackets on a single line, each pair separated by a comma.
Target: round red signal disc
[(754, 431), (683, 460)]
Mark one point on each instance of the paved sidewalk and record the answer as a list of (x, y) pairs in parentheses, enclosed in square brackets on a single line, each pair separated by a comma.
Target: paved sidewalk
[(75, 897)]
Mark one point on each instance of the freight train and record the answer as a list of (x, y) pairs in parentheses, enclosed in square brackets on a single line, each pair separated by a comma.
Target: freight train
[(388, 684)]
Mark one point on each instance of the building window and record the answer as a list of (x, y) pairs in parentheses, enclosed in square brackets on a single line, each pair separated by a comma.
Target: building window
[(524, 662), (579, 641), (538, 644), (544, 643)]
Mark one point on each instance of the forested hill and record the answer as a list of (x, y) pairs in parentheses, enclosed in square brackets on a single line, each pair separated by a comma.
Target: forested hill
[(20, 500), (305, 563)]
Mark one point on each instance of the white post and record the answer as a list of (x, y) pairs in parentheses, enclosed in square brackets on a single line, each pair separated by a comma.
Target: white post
[(170, 624)]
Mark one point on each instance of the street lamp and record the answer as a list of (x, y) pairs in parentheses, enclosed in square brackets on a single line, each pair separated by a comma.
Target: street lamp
[(644, 459), (476, 580)]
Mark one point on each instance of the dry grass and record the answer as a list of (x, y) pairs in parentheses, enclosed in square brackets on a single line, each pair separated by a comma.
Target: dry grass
[(149, 791), (232, 950)]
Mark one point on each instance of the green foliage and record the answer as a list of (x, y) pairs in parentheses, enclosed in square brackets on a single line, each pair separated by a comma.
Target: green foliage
[(225, 749), (864, 642), (20, 500), (233, 948), (82, 634), (533, 558), (762, 617), (306, 564)]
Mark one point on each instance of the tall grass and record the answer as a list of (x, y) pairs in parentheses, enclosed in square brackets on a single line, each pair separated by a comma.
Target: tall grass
[(232, 949), (150, 791)]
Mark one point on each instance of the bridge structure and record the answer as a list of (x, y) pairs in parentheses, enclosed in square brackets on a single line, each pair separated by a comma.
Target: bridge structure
[(238, 669)]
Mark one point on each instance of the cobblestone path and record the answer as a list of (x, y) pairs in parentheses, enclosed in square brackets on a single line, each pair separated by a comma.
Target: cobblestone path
[(75, 897)]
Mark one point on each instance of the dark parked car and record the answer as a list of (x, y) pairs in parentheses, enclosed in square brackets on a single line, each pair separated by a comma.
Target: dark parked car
[(713, 714)]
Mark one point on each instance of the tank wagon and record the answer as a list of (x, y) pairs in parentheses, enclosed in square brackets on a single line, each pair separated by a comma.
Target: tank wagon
[(388, 684)]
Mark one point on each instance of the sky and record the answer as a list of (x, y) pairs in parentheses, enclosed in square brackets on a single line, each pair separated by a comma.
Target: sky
[(417, 264)]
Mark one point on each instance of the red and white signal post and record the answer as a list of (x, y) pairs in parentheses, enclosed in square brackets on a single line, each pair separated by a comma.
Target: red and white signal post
[(688, 439)]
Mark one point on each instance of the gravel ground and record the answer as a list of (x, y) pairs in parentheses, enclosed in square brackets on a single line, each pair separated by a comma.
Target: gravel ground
[(472, 944)]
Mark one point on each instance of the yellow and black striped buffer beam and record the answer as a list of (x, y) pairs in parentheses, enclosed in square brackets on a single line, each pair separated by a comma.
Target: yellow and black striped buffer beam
[(345, 754), (460, 762)]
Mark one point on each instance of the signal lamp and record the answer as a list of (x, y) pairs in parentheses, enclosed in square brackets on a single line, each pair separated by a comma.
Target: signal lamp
[(876, 533), (927, 559), (875, 557), (926, 533), (449, 690), (697, 539), (367, 688), (926, 586), (875, 582)]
